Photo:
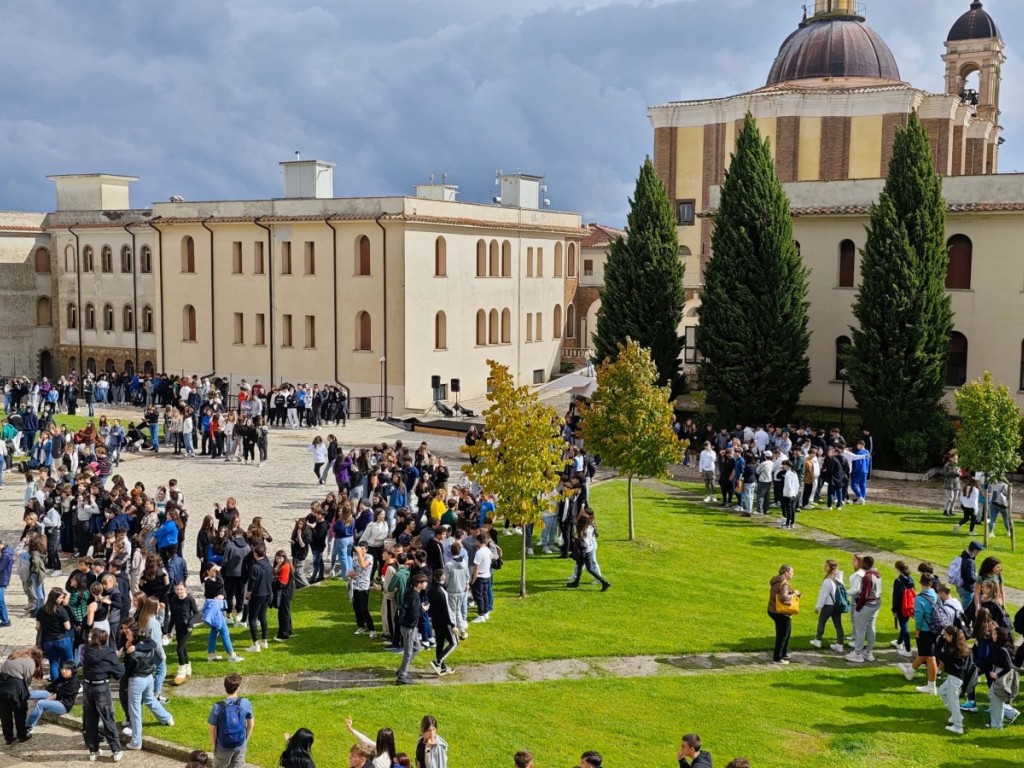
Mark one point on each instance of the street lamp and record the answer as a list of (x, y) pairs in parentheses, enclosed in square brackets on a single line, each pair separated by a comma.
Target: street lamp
[(383, 394), (842, 402)]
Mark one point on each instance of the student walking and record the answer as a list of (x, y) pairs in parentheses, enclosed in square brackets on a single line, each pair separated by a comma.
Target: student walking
[(231, 722), (409, 626), (865, 612), (903, 597), (585, 552), (955, 659), (999, 670), (140, 654), (443, 623), (924, 622), (783, 604), (184, 613), (833, 601), (99, 664), (968, 503)]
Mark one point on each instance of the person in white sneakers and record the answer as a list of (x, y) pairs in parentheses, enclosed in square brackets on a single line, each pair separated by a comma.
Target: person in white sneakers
[(708, 461), (924, 621), (456, 572), (958, 664), (868, 601), (827, 607)]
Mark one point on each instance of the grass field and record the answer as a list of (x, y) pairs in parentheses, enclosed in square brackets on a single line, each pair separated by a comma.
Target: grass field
[(74, 423), (865, 718), (695, 581)]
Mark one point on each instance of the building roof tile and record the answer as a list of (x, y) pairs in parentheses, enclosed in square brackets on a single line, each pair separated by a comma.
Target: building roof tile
[(600, 236)]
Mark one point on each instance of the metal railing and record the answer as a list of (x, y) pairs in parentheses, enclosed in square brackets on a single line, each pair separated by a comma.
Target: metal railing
[(577, 353)]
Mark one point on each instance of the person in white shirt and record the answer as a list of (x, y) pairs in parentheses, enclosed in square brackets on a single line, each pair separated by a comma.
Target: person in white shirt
[(760, 439), (480, 579), (826, 608), (790, 491), (708, 461)]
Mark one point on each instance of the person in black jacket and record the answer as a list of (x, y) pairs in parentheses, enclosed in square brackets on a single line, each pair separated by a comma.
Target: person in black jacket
[(409, 623), (99, 664), (183, 614), (443, 624), (998, 665), (258, 594), (58, 698), (955, 658), (691, 755)]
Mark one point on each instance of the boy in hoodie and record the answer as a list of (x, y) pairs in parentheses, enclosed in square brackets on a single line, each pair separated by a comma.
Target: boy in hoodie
[(690, 753), (6, 566), (456, 584), (443, 623), (865, 612), (58, 698)]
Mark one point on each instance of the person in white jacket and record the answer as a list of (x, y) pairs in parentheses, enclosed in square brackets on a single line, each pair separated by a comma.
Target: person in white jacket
[(855, 579), (791, 486), (708, 462), (826, 607)]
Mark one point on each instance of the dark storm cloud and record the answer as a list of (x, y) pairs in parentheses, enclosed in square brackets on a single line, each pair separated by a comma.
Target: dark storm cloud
[(203, 99)]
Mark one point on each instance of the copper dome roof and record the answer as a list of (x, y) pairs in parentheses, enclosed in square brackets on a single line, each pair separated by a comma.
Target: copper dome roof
[(976, 24), (833, 47)]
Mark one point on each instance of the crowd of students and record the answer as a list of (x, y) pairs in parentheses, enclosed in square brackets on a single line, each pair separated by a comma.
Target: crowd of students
[(961, 627)]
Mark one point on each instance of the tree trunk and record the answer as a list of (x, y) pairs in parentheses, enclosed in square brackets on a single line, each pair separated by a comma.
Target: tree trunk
[(984, 509), (1009, 517), (629, 494), (522, 564)]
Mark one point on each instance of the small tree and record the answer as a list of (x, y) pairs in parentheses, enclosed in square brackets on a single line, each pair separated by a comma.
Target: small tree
[(989, 438), (753, 311), (643, 292), (628, 421), (521, 457)]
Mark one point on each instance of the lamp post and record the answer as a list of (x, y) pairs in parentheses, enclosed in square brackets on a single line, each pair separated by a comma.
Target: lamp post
[(842, 401), (383, 394)]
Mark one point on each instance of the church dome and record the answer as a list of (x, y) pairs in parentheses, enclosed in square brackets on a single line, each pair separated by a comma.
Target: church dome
[(831, 47), (976, 24)]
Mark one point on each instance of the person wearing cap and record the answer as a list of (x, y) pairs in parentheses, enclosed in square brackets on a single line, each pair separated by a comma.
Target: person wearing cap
[(968, 572)]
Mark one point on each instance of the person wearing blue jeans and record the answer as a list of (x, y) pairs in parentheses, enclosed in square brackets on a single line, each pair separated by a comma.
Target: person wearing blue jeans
[(6, 565), (140, 663), (53, 625), (57, 699)]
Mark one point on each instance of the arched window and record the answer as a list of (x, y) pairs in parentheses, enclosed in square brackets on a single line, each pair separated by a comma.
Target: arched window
[(90, 317), (107, 259), (847, 262), (108, 317), (128, 318), (492, 327), (570, 318), (557, 334), (958, 271), (87, 259), (506, 326), (506, 259), (440, 257), (147, 367), (842, 343), (363, 256), (69, 259), (146, 260), (109, 365), (494, 263), (481, 327), (72, 364), (126, 259), (956, 362), (558, 259), (129, 367), (188, 255), (440, 331), (42, 261), (481, 258), (188, 323), (364, 335), (43, 317), (72, 316), (90, 365), (571, 266), (147, 319)]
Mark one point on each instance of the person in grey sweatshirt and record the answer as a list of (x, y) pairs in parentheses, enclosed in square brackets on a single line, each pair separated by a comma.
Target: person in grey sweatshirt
[(456, 573)]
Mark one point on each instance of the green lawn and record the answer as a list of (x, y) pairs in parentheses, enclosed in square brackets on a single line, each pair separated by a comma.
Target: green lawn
[(695, 580), (74, 423), (865, 718)]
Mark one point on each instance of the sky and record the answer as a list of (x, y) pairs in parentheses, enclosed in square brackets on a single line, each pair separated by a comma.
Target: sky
[(202, 98)]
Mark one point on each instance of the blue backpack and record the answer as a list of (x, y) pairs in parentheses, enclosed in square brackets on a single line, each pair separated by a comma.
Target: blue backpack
[(231, 724), (841, 598)]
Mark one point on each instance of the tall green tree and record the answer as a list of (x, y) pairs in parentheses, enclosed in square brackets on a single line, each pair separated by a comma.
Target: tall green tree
[(753, 315), (897, 362), (643, 293), (628, 421), (989, 437), (521, 457)]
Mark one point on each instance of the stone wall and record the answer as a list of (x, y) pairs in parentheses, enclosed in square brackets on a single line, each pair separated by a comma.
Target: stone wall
[(21, 338)]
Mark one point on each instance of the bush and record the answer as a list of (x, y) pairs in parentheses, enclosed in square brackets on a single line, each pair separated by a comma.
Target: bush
[(912, 451)]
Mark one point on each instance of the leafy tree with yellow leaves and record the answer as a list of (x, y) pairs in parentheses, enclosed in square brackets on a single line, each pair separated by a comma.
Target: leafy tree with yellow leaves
[(628, 421), (520, 457)]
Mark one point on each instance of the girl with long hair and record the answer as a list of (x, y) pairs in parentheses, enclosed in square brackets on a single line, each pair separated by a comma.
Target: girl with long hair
[(585, 552), (955, 658), (384, 745), (827, 606), (900, 586), (284, 590), (53, 625), (997, 669)]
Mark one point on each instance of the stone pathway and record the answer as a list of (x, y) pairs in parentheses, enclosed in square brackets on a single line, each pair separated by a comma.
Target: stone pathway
[(54, 745), (830, 540)]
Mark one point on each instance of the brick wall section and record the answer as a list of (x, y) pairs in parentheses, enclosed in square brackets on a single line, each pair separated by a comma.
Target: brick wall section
[(974, 163), (889, 125), (835, 149), (715, 155), (958, 150), (939, 137), (787, 153), (663, 155)]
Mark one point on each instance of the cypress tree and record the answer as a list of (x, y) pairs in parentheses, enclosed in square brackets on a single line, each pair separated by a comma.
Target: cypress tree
[(897, 361), (643, 295), (753, 316)]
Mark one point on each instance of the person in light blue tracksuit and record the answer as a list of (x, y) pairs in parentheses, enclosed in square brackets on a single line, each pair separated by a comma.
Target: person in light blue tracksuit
[(859, 474)]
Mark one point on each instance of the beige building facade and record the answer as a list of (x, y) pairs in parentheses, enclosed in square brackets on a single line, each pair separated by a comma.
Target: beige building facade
[(830, 108)]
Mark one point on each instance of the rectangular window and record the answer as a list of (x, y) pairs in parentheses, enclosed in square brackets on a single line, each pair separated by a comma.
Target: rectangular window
[(529, 262), (540, 262), (286, 330), (261, 329), (239, 328), (257, 258), (310, 331), (588, 267), (539, 323), (686, 210), (529, 326), (309, 260), (690, 353), (286, 257), (538, 376), (236, 257)]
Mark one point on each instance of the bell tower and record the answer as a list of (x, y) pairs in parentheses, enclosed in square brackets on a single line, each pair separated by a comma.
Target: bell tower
[(974, 45), (837, 8)]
